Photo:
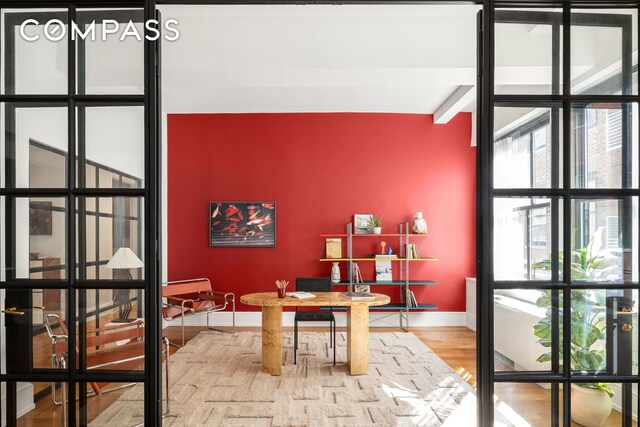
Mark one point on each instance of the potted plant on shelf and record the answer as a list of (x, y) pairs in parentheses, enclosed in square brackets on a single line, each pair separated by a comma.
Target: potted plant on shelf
[(590, 402), (376, 224)]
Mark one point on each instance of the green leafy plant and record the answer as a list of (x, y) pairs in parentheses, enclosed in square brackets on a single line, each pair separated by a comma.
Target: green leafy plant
[(587, 327), (587, 313), (376, 221), (586, 263)]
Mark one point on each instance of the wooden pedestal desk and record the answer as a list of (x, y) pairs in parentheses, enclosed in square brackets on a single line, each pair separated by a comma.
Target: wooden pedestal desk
[(357, 326)]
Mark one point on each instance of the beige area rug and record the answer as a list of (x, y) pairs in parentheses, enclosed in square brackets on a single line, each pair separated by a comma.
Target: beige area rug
[(216, 380)]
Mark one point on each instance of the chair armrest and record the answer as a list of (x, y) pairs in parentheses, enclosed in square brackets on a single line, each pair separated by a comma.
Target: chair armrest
[(137, 322), (211, 295), (178, 301)]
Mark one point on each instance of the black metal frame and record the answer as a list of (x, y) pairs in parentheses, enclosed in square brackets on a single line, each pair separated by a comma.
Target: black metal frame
[(485, 195), (150, 194), (560, 104)]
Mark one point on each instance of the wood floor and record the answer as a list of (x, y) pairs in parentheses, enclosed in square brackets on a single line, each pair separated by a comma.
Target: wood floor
[(455, 345)]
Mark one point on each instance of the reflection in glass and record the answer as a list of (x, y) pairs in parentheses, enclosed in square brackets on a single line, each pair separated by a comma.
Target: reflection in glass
[(524, 52), (35, 144), (38, 238), (523, 404), (522, 238), (603, 245), (114, 145), (110, 340), (523, 145), (106, 224), (523, 329), (597, 51), (115, 64), (38, 67), (599, 144)]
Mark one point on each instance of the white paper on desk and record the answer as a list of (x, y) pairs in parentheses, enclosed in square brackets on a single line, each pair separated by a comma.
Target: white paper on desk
[(301, 295)]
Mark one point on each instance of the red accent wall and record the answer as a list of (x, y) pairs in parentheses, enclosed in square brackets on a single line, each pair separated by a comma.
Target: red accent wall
[(320, 169)]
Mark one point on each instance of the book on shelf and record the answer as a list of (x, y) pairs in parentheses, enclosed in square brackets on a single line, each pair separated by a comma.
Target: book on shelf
[(412, 251), (301, 295), (410, 299), (383, 268), (357, 276), (333, 248), (414, 302), (358, 296)]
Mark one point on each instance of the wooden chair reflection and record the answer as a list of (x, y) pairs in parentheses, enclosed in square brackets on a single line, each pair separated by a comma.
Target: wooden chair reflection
[(119, 347)]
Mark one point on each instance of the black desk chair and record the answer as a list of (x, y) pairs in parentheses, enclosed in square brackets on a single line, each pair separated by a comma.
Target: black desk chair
[(314, 284)]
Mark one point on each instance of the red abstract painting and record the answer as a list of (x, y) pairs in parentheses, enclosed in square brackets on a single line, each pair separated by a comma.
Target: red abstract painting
[(242, 224)]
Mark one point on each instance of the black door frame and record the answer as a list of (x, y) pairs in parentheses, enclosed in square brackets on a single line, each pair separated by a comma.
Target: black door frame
[(561, 188), (18, 289)]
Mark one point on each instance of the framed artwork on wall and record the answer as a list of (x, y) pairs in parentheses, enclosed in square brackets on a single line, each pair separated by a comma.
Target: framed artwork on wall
[(243, 224), (40, 218), (361, 224)]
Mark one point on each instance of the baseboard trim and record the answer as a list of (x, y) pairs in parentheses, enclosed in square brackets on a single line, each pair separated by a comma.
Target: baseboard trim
[(377, 319)]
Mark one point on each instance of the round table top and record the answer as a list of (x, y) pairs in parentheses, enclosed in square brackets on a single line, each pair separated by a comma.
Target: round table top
[(328, 299)]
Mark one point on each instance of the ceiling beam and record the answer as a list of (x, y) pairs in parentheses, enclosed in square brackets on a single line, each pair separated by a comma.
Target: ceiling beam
[(459, 99)]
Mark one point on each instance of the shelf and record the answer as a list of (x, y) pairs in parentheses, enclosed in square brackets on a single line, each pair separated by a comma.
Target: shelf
[(403, 237), (393, 283), (373, 259), (392, 306)]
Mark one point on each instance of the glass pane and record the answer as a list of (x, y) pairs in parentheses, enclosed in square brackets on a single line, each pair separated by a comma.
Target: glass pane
[(524, 51), (604, 245), (34, 146), (39, 61), (109, 224), (523, 145), (50, 338), (522, 238), (604, 145), (39, 394), (524, 322), (586, 403), (106, 307), (39, 238), (34, 336), (597, 51), (114, 146), (112, 408), (522, 404), (602, 321), (114, 62)]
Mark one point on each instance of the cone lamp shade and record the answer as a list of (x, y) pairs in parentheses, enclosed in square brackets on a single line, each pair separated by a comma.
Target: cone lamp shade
[(124, 258)]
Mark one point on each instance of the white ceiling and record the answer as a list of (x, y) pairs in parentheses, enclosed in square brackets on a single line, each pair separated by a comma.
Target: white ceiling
[(349, 58), (318, 58)]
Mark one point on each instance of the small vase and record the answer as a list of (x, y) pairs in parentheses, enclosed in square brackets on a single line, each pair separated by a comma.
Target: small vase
[(419, 224), (377, 230), (335, 273), (282, 293)]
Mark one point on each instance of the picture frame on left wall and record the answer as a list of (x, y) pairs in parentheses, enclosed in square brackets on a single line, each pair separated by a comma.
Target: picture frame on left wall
[(242, 224), (40, 218)]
